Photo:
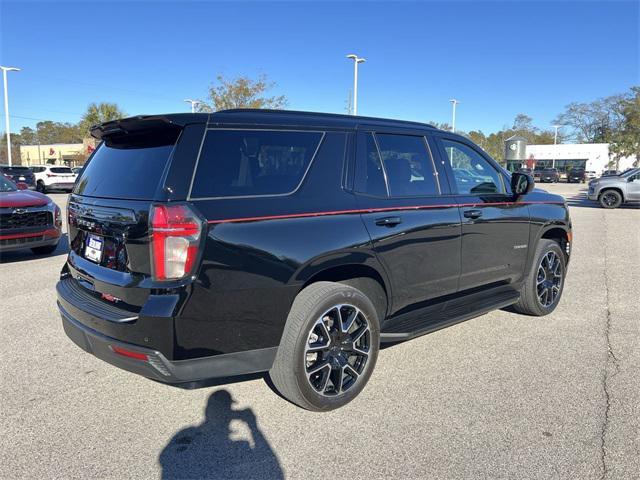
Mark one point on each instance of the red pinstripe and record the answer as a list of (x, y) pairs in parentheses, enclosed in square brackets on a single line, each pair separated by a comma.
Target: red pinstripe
[(370, 210)]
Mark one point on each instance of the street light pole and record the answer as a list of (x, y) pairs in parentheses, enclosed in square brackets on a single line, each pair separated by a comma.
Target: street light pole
[(555, 142), (356, 61), (6, 107), (193, 104), (454, 102)]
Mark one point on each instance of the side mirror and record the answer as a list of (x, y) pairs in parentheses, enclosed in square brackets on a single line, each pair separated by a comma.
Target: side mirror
[(521, 183), (22, 186)]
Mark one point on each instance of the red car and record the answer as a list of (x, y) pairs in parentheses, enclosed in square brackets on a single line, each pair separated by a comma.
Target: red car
[(27, 219)]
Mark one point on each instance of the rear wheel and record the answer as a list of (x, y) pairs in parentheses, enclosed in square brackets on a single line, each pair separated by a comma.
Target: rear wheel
[(329, 347), (41, 187), (543, 287), (610, 199)]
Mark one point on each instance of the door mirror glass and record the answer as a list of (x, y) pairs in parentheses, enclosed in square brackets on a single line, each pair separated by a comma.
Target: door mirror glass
[(521, 183)]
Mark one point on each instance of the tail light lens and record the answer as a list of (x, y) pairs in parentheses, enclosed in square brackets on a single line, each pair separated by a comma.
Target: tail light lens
[(57, 217), (175, 238)]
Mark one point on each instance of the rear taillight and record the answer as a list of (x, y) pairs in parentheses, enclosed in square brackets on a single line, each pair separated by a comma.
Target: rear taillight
[(57, 217), (175, 237)]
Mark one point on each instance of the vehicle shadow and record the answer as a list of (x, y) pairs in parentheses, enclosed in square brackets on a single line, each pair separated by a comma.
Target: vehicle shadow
[(27, 254), (217, 447)]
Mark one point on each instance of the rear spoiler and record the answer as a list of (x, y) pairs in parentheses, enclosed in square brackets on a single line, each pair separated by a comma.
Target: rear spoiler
[(142, 124)]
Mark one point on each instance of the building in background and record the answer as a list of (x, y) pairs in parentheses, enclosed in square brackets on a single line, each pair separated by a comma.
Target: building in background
[(68, 154), (568, 156)]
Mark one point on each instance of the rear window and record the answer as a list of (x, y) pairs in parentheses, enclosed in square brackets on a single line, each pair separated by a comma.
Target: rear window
[(237, 163), (129, 169), (16, 170), (61, 170)]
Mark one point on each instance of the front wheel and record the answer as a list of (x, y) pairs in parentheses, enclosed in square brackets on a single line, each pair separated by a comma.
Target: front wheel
[(329, 347), (543, 286), (610, 199)]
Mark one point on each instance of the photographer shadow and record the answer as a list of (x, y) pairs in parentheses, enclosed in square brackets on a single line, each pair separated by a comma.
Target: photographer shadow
[(209, 450)]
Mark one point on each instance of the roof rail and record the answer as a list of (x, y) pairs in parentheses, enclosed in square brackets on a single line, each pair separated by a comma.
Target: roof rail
[(323, 114)]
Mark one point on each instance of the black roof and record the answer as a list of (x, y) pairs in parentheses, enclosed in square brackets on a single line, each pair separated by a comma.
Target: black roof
[(246, 116), (285, 117)]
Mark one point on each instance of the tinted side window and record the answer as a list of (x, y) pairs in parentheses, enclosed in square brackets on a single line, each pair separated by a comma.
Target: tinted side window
[(236, 163), (373, 182), (472, 172), (408, 165)]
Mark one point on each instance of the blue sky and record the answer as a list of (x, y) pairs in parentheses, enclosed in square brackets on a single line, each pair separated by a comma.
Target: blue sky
[(497, 58)]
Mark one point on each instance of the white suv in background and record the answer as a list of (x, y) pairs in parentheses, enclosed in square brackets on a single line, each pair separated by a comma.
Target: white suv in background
[(53, 177)]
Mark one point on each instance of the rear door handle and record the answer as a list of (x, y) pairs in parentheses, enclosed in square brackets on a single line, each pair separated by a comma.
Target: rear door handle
[(473, 213), (388, 221)]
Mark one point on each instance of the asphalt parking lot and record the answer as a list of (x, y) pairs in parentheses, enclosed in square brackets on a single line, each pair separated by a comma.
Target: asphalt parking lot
[(500, 396)]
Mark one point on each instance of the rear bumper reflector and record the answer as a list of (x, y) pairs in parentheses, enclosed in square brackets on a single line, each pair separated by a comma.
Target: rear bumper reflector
[(129, 353)]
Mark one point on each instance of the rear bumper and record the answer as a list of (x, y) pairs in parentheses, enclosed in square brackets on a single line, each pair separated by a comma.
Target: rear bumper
[(150, 362), (19, 241)]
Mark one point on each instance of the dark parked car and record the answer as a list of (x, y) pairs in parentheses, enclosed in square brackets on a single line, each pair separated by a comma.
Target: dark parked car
[(27, 219), (17, 173), (575, 176), (549, 175), (217, 245)]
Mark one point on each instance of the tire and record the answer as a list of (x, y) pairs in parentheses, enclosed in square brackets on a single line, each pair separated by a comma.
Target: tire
[(312, 324), (532, 298), (46, 250), (610, 199), (41, 187)]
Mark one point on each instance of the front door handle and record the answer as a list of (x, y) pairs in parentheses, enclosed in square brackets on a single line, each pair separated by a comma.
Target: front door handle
[(473, 213), (388, 221)]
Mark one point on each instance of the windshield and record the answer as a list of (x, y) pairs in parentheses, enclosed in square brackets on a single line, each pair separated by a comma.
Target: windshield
[(629, 171), (7, 185)]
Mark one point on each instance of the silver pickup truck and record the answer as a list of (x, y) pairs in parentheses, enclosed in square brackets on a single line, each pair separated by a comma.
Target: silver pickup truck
[(611, 192)]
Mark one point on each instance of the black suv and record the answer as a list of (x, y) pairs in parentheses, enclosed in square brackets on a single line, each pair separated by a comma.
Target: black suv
[(245, 241), (549, 175), (19, 174)]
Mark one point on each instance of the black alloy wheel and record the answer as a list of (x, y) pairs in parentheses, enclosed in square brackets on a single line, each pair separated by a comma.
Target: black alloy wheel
[(610, 199), (549, 279), (544, 283), (337, 351), (329, 347)]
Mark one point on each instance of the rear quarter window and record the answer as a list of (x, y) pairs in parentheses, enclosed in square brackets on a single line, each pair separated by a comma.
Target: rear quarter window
[(239, 163)]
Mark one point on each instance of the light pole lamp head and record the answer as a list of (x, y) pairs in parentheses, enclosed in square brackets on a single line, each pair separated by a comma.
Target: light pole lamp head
[(10, 69), (355, 58)]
